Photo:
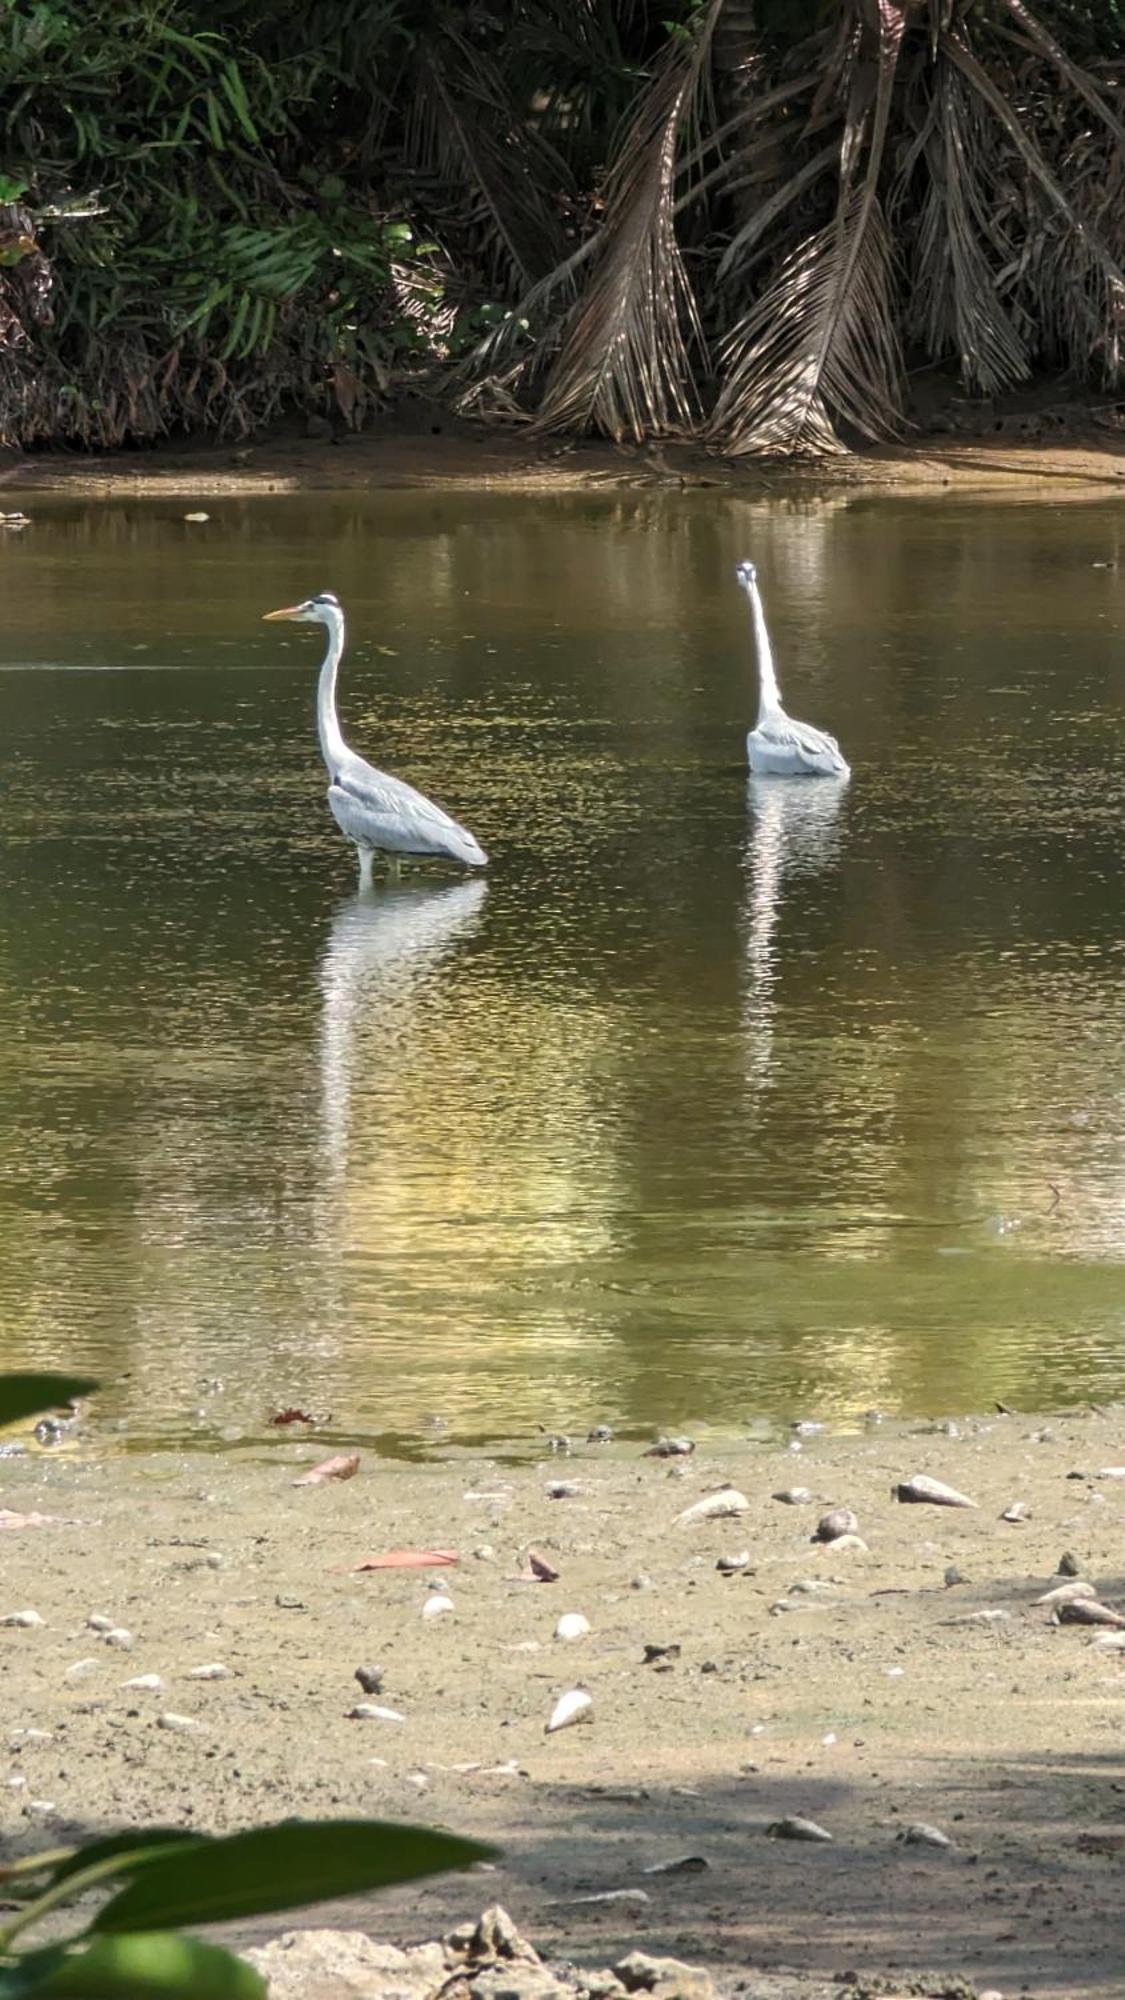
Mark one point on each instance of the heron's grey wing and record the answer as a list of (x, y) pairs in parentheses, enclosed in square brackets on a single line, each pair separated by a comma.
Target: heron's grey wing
[(810, 749), (376, 810)]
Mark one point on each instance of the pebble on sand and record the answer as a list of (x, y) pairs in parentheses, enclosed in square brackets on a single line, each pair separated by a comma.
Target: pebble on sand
[(921, 1834), (793, 1496), (574, 1706), (572, 1625), (719, 1506), (934, 1492), (370, 1679), (24, 1620), (437, 1605), (121, 1638), (212, 1670), (1086, 1611), (182, 1725), (369, 1711), (671, 1447), (792, 1827), (145, 1683), (838, 1521)]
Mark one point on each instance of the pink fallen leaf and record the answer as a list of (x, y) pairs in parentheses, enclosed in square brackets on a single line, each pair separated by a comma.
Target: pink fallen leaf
[(10, 1520), (410, 1559), (345, 1465)]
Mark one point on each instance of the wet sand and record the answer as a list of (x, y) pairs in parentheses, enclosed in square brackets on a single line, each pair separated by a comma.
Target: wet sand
[(448, 453), (878, 1699)]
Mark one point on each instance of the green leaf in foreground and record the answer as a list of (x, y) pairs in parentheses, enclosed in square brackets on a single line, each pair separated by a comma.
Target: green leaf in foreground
[(280, 1868), (133, 1849), (29, 1395), (154, 1966)]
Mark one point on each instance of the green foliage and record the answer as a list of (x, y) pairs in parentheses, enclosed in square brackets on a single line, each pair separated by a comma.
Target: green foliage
[(160, 1877)]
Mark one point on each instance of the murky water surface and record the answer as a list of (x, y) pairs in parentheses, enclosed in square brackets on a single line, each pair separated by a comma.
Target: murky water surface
[(707, 1105)]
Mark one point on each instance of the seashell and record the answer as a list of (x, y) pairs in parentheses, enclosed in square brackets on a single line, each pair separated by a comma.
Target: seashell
[(793, 1496), (719, 1506), (572, 1625), (684, 1864), (933, 1491), (575, 1706), (97, 1623), (729, 1565), (145, 1683), (120, 1637), (181, 1725), (1111, 1472), (631, 1896), (1086, 1611), (671, 1447), (214, 1670), (838, 1521), (922, 1834), (794, 1828), (1068, 1593), (1017, 1511), (370, 1679), (23, 1619), (437, 1605), (368, 1711)]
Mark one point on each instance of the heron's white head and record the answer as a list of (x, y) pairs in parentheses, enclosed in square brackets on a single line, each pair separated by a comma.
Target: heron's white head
[(746, 574), (319, 610)]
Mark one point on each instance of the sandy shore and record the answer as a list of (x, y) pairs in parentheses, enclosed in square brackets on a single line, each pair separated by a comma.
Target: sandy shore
[(450, 454), (860, 1689)]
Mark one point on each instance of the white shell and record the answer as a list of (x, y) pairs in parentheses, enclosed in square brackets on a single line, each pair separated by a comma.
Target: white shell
[(574, 1706), (24, 1619), (182, 1724), (716, 1506), (146, 1683), (97, 1622), (572, 1625), (437, 1605), (214, 1670), (369, 1711), (934, 1491), (120, 1637)]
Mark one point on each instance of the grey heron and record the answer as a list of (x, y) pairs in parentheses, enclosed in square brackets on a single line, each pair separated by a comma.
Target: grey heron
[(381, 814), (778, 747)]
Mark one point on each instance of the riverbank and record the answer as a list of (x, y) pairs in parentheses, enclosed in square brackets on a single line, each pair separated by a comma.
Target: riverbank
[(916, 1679), (445, 452)]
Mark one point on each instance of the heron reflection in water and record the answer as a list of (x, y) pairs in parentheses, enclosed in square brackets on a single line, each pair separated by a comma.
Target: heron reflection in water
[(381, 961), (794, 831)]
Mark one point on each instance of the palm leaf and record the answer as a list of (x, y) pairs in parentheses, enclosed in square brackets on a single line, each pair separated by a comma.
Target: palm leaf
[(624, 367)]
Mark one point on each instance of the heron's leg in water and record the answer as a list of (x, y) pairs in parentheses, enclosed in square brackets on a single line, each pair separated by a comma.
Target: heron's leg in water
[(394, 867), (366, 858)]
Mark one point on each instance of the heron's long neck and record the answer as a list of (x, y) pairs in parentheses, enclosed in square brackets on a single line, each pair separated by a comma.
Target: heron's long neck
[(769, 696), (332, 746)]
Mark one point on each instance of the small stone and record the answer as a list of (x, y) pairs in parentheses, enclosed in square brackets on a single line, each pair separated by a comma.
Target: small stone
[(24, 1620), (559, 1443), (181, 1725), (794, 1828), (991, 1615), (844, 1542), (145, 1683), (671, 1447), (640, 1582), (561, 1489), (664, 1978), (793, 1496), (932, 1492), (572, 1625), (838, 1521), (953, 1576), (1068, 1565), (1017, 1511), (370, 1679), (298, 1964), (1071, 1592), (97, 1622), (721, 1506), (368, 1711), (654, 1652), (119, 1637), (437, 1606), (574, 1706), (81, 1669), (921, 1834), (1086, 1611), (729, 1565), (213, 1670), (684, 1864), (1113, 1641), (601, 1434)]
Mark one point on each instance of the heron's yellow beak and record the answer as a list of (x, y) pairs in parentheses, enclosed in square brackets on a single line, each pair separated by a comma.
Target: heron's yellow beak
[(287, 611)]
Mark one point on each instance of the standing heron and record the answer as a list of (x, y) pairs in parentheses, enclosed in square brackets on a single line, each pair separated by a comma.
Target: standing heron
[(778, 747), (381, 814)]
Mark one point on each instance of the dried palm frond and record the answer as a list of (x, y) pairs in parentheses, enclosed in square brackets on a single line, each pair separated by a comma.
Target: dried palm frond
[(954, 301), (819, 348), (624, 366)]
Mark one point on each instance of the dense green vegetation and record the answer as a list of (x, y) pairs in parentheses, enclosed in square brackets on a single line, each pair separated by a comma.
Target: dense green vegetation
[(745, 219)]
